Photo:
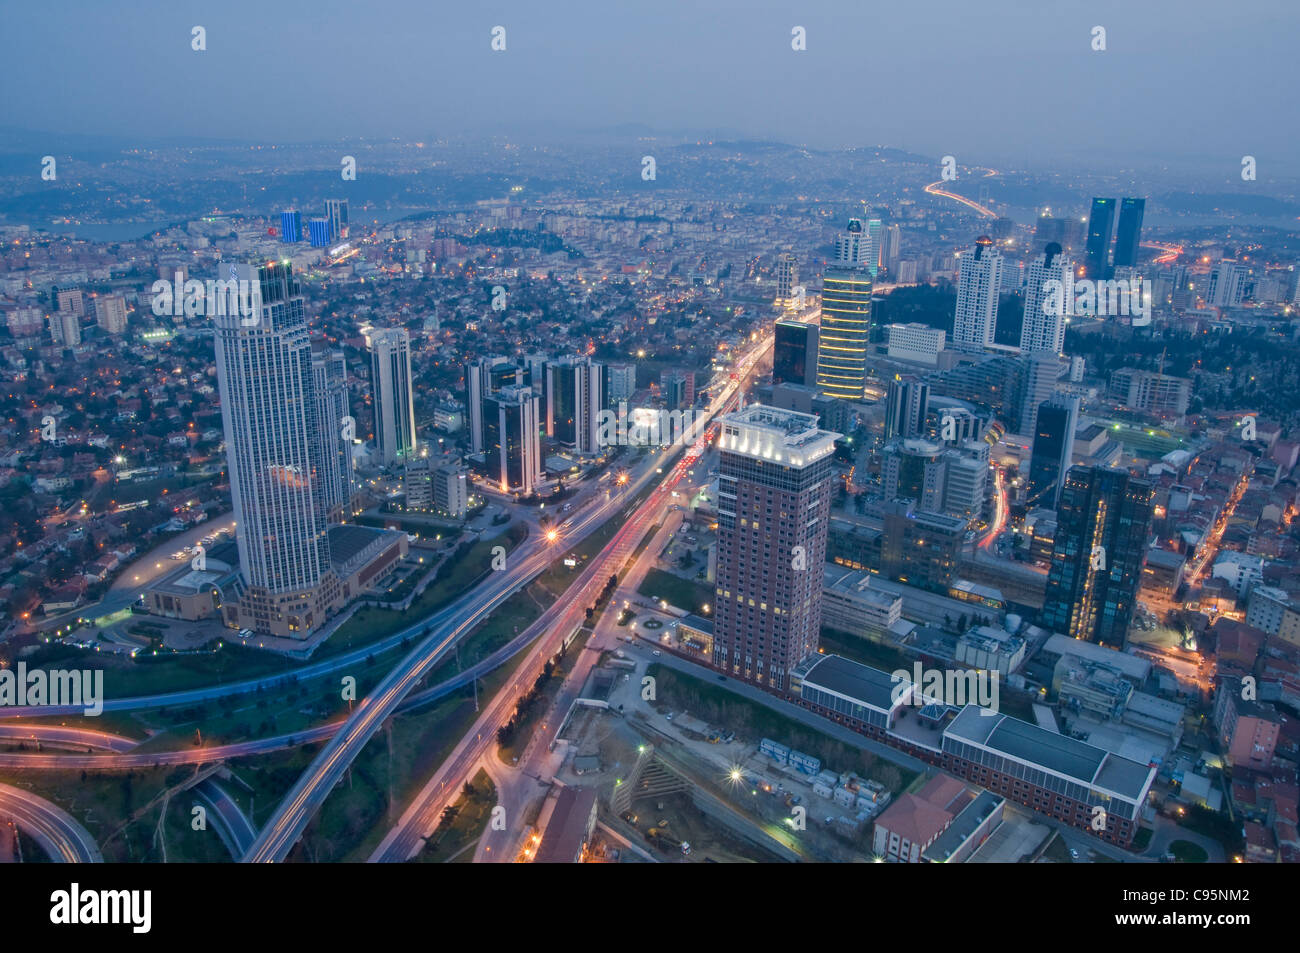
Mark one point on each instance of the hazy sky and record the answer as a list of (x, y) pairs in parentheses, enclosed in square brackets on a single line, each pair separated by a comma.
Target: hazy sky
[(1194, 81)]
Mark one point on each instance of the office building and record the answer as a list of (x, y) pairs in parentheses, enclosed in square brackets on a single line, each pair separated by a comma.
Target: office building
[(774, 494), (336, 213), (890, 249), (677, 388), (1227, 284), (919, 343), (1128, 236), (787, 278), (1101, 223), (1040, 375), (65, 328), (979, 279), (393, 395), (574, 402), (333, 450), (71, 300), (620, 382), (1150, 392), (1053, 449), (512, 440), (905, 407), (794, 354), (110, 314), (483, 378), (914, 470), (853, 245), (874, 229), (268, 410), (844, 338), (1042, 329), (290, 226), (318, 232), (919, 547), (1103, 525)]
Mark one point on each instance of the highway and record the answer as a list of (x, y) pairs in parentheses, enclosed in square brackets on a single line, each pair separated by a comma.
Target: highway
[(63, 736), (59, 835), (285, 826), (421, 816)]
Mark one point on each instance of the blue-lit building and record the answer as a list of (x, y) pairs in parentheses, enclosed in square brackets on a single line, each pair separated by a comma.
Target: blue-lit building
[(291, 225), (318, 229)]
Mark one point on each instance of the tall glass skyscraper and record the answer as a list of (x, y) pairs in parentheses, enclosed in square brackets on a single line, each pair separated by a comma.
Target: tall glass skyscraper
[(1103, 525), (1128, 236), (334, 451), (794, 353), (845, 334), (1058, 418), (269, 412), (1101, 222), (394, 399), (336, 213), (290, 226)]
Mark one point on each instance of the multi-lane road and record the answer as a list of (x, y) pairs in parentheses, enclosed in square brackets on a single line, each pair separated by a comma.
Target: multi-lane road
[(61, 837)]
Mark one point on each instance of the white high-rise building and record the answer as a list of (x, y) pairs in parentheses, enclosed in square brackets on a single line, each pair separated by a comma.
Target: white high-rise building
[(393, 395), (853, 245), (65, 328), (1227, 284), (110, 313), (1043, 327), (264, 374), (979, 278), (915, 342), (787, 277)]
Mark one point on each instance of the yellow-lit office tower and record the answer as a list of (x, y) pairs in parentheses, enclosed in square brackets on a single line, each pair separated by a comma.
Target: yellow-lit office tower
[(846, 319)]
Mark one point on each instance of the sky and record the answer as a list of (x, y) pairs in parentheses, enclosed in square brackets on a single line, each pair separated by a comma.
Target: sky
[(1191, 82)]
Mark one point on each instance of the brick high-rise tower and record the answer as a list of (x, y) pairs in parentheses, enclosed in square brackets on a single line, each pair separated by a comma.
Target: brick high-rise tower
[(773, 510)]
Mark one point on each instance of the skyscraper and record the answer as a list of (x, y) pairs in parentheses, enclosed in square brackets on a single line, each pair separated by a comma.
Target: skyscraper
[(1128, 236), (890, 248), (110, 313), (336, 213), (846, 318), (1101, 221), (393, 395), (853, 245), (574, 402), (334, 451), (794, 353), (1039, 375), (484, 377), (774, 497), (318, 231), (268, 410), (1042, 328), (787, 277), (979, 278), (873, 253), (1050, 460), (512, 439), (1103, 524), (290, 226), (905, 407)]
